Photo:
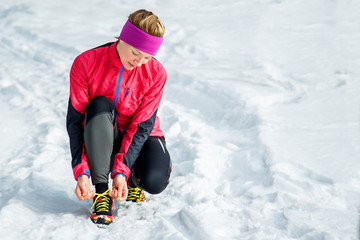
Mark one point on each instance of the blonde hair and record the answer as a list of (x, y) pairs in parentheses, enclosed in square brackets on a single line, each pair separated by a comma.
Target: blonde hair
[(148, 22)]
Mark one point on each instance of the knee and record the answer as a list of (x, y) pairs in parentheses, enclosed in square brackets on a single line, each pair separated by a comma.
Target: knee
[(154, 182), (98, 105)]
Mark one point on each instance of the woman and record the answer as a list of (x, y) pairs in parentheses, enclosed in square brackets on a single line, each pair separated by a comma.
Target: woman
[(115, 91)]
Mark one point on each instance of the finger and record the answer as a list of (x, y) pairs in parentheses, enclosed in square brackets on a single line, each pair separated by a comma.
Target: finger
[(111, 193), (119, 195), (86, 197), (84, 192), (80, 192), (125, 193), (89, 195), (116, 195)]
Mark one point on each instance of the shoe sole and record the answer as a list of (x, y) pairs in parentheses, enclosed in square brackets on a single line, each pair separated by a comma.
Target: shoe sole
[(101, 219)]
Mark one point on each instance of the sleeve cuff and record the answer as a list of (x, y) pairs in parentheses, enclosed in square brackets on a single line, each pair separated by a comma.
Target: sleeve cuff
[(120, 174), (81, 170), (81, 175)]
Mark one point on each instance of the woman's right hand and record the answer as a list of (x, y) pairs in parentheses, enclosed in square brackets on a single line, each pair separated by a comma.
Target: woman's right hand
[(119, 190), (82, 189)]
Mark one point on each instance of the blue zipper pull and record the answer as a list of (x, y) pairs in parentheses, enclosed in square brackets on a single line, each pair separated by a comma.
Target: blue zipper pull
[(127, 91)]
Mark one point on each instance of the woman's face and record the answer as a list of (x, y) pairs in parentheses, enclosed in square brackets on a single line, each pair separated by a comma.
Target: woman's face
[(131, 57)]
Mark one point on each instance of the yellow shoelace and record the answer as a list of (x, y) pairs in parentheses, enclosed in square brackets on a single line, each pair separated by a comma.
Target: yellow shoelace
[(135, 194), (104, 204)]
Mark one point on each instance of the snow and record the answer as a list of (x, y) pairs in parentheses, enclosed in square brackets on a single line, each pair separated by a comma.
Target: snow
[(260, 111)]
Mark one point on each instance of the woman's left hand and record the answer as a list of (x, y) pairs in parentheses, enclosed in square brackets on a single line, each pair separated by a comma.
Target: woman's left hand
[(119, 190)]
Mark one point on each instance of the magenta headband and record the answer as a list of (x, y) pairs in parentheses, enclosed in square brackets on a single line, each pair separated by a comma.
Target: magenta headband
[(139, 39)]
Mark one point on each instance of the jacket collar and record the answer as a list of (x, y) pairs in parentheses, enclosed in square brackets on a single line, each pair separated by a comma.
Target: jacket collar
[(115, 59)]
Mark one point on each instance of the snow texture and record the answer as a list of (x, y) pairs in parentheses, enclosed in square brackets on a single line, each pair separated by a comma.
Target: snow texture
[(261, 114)]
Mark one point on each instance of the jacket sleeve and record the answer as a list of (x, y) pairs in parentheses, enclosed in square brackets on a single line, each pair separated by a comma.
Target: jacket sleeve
[(139, 128), (78, 101)]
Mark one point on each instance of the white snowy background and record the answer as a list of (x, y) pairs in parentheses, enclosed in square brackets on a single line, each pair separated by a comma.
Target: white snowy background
[(261, 113)]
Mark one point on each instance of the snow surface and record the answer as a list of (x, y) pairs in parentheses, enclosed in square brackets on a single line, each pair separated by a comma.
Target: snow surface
[(261, 113)]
